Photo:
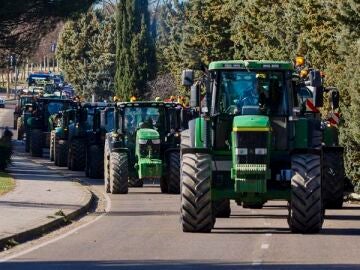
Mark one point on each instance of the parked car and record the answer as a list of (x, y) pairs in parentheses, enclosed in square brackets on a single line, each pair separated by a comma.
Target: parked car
[(2, 103)]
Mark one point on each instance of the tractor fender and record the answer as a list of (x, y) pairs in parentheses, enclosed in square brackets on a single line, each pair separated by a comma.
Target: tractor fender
[(193, 139)]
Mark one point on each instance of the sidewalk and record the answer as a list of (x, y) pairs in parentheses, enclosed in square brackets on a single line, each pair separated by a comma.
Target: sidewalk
[(39, 202)]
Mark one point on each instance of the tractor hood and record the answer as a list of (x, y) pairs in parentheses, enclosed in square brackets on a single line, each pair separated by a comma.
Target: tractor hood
[(251, 122), (147, 134)]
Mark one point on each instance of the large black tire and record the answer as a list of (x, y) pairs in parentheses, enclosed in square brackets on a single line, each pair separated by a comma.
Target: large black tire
[(77, 155), (163, 184), (52, 146), (61, 150), (185, 139), (15, 121), (36, 143), (135, 182), (27, 142), (306, 213), (106, 169), (20, 129), (222, 208), (333, 179), (196, 206), (119, 173), (173, 173), (96, 162)]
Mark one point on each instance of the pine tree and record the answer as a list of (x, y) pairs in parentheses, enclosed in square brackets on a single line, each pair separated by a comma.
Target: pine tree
[(86, 54), (135, 51)]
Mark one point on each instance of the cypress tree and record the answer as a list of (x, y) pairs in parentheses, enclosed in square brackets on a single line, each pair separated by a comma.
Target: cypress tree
[(135, 51)]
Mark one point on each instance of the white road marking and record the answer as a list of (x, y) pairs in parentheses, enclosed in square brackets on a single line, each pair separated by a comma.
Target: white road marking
[(264, 246), (107, 209), (257, 262), (268, 234)]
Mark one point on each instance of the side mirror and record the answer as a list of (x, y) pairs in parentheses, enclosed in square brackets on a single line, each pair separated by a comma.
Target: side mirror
[(195, 96), (334, 99), (187, 77), (319, 96), (315, 78)]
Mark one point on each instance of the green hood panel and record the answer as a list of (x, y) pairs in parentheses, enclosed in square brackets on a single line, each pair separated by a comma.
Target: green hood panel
[(147, 134), (251, 121)]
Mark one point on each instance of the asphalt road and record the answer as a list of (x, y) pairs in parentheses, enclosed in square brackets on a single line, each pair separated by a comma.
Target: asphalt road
[(141, 231)]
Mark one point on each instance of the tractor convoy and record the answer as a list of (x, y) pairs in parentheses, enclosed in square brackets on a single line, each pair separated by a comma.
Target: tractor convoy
[(253, 133)]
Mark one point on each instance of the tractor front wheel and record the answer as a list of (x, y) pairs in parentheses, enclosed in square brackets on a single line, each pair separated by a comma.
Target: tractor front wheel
[(95, 162), (306, 213), (119, 173), (61, 149), (222, 208), (76, 155), (135, 182), (196, 206), (106, 169), (52, 146), (36, 143), (173, 173)]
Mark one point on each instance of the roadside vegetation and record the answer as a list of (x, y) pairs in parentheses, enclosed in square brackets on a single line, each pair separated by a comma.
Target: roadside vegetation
[(7, 183), (107, 51)]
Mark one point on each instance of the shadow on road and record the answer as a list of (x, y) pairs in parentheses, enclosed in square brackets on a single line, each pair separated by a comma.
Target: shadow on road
[(160, 265)]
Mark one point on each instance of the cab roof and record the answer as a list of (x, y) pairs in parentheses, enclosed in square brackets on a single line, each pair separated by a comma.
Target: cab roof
[(148, 104), (252, 64)]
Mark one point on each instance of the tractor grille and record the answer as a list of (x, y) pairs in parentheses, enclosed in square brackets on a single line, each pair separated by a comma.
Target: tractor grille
[(145, 149), (250, 140)]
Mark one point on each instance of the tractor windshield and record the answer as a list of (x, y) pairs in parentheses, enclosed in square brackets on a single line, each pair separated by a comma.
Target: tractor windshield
[(137, 117), (247, 93), (55, 107)]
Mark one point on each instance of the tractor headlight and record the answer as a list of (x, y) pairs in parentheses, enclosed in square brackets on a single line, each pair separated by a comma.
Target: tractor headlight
[(142, 141), (241, 151), (156, 141), (260, 151)]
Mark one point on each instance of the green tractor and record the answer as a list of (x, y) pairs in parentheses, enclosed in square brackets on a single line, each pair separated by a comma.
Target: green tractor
[(144, 145), (71, 135), (23, 103), (40, 122), (102, 118), (252, 143)]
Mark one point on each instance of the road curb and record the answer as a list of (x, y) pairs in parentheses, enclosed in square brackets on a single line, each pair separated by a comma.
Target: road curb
[(54, 224)]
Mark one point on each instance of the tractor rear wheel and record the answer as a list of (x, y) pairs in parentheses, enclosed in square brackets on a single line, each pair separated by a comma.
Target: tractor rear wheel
[(15, 121), (306, 213), (119, 173), (61, 150), (333, 179), (52, 145), (96, 162), (36, 143), (196, 206), (20, 129), (27, 142), (106, 169), (222, 208), (173, 173), (76, 155), (163, 184), (135, 182)]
